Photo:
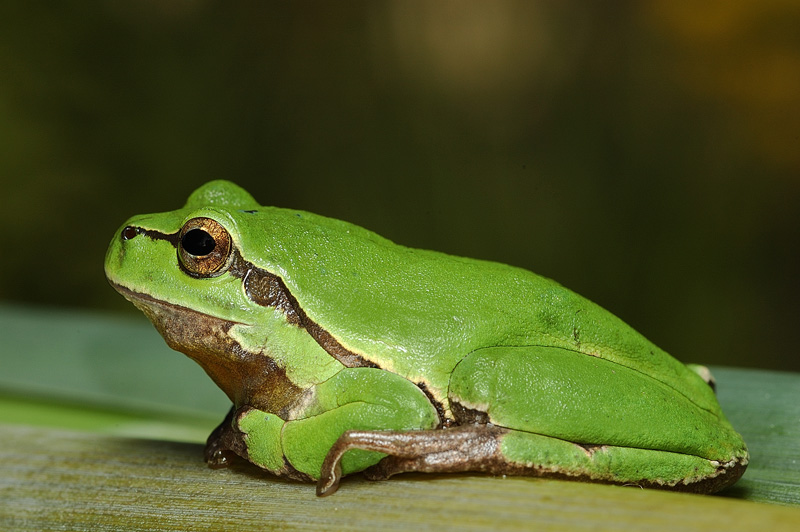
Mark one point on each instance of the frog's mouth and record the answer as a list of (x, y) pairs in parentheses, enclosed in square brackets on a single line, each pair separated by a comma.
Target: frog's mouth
[(184, 329), (248, 378)]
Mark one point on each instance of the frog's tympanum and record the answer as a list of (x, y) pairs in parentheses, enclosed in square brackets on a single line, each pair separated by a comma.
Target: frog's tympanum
[(344, 352)]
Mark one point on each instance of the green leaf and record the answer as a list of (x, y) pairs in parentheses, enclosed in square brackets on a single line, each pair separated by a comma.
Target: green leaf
[(764, 406)]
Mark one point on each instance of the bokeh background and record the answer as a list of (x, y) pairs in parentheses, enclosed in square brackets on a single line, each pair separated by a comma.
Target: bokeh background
[(645, 154)]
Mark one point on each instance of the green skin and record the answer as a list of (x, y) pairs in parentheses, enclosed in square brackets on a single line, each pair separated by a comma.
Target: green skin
[(344, 352)]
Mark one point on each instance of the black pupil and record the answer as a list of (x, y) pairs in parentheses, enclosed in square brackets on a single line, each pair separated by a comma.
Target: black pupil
[(197, 242)]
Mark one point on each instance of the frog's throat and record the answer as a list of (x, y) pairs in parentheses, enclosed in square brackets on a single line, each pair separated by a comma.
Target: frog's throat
[(246, 377)]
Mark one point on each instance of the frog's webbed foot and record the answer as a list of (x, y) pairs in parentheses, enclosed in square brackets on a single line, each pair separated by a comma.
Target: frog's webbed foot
[(225, 444), (464, 448)]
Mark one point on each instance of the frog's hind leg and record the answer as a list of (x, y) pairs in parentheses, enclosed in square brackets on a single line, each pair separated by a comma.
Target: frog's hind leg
[(547, 411), (501, 451), (459, 449), (575, 416)]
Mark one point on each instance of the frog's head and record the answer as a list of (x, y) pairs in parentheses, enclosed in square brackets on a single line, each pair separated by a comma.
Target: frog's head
[(185, 270)]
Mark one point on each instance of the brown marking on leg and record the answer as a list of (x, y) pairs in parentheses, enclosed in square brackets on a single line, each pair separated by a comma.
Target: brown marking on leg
[(465, 448)]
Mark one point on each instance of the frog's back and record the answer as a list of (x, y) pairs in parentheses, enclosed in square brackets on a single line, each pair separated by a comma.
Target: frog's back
[(419, 312)]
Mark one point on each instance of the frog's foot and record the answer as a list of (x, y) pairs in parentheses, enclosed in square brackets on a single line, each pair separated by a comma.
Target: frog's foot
[(225, 444), (464, 448), (496, 450)]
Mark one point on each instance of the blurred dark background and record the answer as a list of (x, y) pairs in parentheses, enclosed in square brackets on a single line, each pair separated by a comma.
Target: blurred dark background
[(644, 154)]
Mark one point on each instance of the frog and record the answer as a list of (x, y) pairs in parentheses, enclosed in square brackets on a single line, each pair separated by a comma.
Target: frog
[(343, 352)]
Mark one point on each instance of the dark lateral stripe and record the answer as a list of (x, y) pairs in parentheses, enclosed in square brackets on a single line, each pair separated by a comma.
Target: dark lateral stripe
[(152, 234), (269, 290)]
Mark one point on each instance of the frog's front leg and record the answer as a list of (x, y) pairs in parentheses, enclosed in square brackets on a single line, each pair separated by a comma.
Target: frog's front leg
[(247, 432), (360, 399), (224, 442)]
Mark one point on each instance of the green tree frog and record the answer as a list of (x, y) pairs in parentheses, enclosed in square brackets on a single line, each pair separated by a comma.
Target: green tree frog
[(343, 352)]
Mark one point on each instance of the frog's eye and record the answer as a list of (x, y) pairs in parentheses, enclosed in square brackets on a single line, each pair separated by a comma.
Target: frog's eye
[(204, 247)]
